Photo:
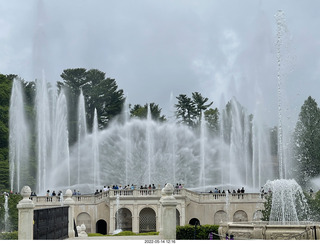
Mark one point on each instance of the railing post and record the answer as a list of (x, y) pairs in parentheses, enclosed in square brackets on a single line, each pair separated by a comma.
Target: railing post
[(168, 218), (70, 202), (25, 208)]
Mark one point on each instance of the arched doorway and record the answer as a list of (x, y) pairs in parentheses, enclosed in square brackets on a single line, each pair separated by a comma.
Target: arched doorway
[(220, 217), (177, 217), (101, 227), (123, 219), (240, 216), (194, 221), (84, 218), (147, 220)]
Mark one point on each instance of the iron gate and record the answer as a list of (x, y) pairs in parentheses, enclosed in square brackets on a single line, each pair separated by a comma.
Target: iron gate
[(50, 223)]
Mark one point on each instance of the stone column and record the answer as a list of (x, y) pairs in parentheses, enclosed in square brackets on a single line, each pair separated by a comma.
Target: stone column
[(169, 204), (70, 202), (135, 219), (25, 215)]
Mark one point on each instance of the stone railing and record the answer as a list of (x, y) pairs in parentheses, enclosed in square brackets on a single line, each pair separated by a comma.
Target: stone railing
[(148, 193), (97, 198)]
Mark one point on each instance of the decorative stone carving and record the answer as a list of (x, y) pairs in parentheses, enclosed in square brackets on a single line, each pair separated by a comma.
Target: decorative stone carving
[(82, 231)]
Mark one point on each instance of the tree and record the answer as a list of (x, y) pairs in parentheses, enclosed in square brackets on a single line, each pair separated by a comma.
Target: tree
[(200, 105), (5, 92), (186, 110), (139, 111), (100, 93), (212, 118), (307, 141)]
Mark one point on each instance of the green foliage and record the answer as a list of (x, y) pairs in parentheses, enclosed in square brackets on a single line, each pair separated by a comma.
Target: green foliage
[(212, 117), (190, 232), (314, 205), (306, 142), (189, 110), (9, 235), (141, 112), (5, 92), (267, 207), (100, 93)]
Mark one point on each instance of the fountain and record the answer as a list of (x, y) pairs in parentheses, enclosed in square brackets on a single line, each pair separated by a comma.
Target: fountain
[(6, 213), (118, 216), (19, 137), (289, 217), (140, 151)]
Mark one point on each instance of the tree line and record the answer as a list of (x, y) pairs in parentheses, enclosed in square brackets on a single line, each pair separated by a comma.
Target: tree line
[(103, 94)]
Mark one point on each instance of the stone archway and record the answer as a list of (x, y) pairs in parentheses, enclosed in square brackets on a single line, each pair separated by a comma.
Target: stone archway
[(147, 220), (220, 217), (177, 217), (123, 219), (84, 218), (240, 216), (194, 221), (101, 227)]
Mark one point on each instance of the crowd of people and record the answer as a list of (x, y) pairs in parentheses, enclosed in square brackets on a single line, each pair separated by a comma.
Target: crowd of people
[(216, 190)]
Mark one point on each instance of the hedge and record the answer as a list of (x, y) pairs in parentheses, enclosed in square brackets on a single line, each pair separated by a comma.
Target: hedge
[(199, 232), (9, 235)]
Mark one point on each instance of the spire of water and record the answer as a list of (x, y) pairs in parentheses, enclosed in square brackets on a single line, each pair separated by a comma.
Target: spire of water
[(149, 142), (202, 152), (43, 133), (19, 137), (95, 150), (127, 141), (6, 213), (82, 131), (280, 31), (59, 170)]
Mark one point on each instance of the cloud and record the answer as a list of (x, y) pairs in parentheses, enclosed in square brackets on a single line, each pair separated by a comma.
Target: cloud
[(219, 48)]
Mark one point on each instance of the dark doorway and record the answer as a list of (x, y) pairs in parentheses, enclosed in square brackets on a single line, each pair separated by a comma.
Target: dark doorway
[(101, 227), (194, 221)]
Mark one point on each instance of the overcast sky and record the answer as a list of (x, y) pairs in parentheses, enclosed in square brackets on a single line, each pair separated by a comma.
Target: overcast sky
[(154, 49)]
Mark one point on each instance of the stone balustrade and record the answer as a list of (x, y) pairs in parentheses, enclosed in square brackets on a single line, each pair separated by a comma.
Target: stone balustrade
[(149, 193)]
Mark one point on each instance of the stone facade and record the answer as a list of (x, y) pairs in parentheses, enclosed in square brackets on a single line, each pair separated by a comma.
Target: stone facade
[(141, 210)]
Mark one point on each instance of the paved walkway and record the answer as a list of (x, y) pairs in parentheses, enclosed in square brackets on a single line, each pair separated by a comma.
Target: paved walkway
[(138, 237)]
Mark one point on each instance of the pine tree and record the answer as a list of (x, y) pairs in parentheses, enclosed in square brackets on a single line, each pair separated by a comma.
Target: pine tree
[(307, 142)]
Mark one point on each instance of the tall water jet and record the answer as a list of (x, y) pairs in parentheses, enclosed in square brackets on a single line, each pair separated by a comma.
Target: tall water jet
[(203, 138), (43, 133), (289, 205), (149, 141), (280, 31), (19, 137), (95, 151), (118, 216), (6, 213), (127, 142), (82, 132), (59, 170)]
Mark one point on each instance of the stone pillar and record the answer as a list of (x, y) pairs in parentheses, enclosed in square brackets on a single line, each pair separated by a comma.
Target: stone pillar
[(25, 215), (112, 218), (135, 219), (169, 204), (70, 202)]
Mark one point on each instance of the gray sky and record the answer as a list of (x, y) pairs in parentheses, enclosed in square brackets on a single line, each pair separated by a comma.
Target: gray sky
[(154, 48)]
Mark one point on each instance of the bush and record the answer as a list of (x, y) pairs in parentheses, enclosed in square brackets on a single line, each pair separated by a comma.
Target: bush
[(190, 232), (9, 235)]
